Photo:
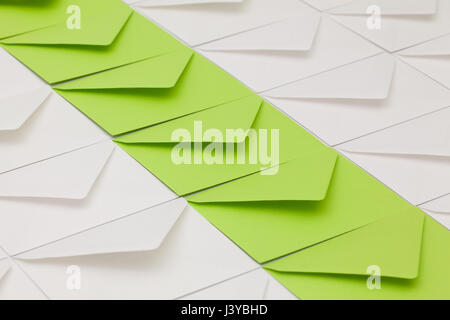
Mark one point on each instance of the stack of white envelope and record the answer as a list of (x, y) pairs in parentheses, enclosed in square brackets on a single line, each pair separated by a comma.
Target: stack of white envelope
[(36, 123), (164, 252), (14, 283), (255, 285), (263, 43), (413, 158), (357, 99)]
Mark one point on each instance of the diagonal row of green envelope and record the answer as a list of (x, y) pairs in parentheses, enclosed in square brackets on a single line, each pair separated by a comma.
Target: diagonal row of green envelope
[(319, 224)]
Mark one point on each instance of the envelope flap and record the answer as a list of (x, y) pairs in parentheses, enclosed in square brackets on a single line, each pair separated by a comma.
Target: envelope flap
[(293, 34), (16, 110), (425, 136), (159, 72), (437, 47), (441, 205), (168, 3), (304, 179), (389, 7), (143, 231), (68, 176), (392, 244), (95, 30), (235, 115), (367, 79)]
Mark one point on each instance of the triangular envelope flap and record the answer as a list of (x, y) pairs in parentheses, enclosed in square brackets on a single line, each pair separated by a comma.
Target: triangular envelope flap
[(235, 115), (305, 179), (392, 244), (143, 231), (68, 176), (437, 47), (389, 7), (425, 136), (367, 79), (159, 72), (293, 34), (5, 265), (168, 3), (16, 110), (441, 205), (95, 30)]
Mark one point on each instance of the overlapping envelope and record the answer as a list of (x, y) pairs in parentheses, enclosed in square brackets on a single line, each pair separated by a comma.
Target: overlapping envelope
[(360, 98), (112, 36), (255, 285), (395, 24), (197, 152), (432, 58), (288, 50), (35, 123), (439, 209), (55, 198), (311, 199), (152, 91), (14, 283), (187, 18), (162, 253), (402, 257), (412, 158), (18, 17)]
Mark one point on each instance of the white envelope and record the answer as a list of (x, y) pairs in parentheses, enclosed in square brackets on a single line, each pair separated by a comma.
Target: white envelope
[(360, 98), (55, 198), (439, 209), (36, 123), (255, 285), (403, 23), (326, 4), (413, 158), (288, 50), (160, 253), (432, 58), (200, 21), (15, 284)]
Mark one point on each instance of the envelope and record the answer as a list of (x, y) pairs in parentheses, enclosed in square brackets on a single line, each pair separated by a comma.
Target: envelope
[(412, 158), (164, 252), (311, 199), (338, 111), (432, 58), (113, 37), (15, 284), (326, 4), (276, 137), (152, 91), (402, 23), (439, 210), (289, 50), (36, 123), (255, 285), (187, 18), (17, 17), (52, 199), (401, 257)]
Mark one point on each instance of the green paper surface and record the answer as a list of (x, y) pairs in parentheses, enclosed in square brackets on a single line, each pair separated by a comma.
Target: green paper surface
[(152, 91), (410, 250), (334, 196), (152, 147), (108, 39)]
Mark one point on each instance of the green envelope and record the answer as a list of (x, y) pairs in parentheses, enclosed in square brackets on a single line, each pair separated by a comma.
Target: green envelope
[(20, 16), (410, 252), (113, 37), (311, 199), (152, 91), (154, 147)]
